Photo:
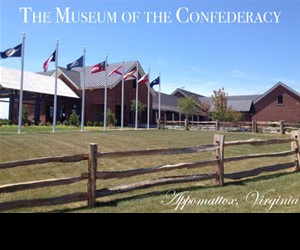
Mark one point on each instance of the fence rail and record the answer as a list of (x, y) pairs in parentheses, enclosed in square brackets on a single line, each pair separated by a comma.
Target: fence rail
[(217, 163), (254, 126)]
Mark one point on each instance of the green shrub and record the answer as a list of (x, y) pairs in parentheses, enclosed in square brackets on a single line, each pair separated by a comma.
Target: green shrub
[(73, 120), (96, 124), (89, 123), (111, 118), (66, 123)]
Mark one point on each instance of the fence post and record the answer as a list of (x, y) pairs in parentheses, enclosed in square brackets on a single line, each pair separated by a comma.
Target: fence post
[(295, 145), (254, 126), (217, 125), (92, 169), (282, 130), (218, 154), (158, 123)]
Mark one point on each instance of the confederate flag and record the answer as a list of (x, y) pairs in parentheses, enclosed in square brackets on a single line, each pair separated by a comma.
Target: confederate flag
[(98, 67)]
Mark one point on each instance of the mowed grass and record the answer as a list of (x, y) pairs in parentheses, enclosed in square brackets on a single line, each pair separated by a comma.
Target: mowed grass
[(235, 196)]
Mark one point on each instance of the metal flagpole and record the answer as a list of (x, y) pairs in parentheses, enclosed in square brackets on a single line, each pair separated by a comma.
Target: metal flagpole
[(105, 93), (55, 90), (159, 96), (137, 96), (21, 86), (122, 98), (148, 107), (83, 92)]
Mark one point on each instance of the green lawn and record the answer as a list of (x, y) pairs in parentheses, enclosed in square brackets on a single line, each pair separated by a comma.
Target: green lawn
[(236, 196)]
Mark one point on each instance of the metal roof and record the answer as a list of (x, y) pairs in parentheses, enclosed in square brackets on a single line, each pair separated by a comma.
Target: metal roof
[(241, 103), (186, 93), (240, 106), (97, 80), (275, 87), (167, 102), (10, 79)]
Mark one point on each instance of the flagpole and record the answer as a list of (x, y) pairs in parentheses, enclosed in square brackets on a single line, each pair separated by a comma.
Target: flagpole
[(122, 98), (159, 96), (105, 93), (21, 86), (55, 90), (83, 92), (148, 111), (137, 96)]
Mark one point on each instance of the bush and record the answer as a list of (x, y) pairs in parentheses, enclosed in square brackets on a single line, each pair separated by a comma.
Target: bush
[(89, 123), (111, 118), (65, 123), (96, 124), (24, 116), (73, 120), (4, 122)]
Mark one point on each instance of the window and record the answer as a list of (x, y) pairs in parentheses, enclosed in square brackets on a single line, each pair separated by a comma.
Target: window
[(280, 100), (134, 84)]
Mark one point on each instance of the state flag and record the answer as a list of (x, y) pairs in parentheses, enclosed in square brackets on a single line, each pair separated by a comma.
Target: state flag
[(12, 52), (144, 79), (116, 70), (49, 60), (155, 82), (130, 74), (77, 63)]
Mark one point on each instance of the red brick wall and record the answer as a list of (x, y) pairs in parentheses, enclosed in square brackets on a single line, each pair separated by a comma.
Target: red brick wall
[(95, 100), (267, 108)]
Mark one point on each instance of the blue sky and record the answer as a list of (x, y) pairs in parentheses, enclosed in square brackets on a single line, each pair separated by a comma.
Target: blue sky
[(242, 58)]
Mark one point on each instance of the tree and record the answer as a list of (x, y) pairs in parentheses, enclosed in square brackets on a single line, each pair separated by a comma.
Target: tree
[(111, 118), (222, 111), (189, 107), (141, 108), (73, 120), (24, 116)]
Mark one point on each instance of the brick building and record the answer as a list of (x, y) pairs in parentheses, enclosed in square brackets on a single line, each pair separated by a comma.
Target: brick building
[(94, 92), (278, 103), (38, 95)]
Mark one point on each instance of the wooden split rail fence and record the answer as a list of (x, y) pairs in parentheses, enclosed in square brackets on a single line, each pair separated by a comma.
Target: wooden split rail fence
[(217, 162), (255, 126)]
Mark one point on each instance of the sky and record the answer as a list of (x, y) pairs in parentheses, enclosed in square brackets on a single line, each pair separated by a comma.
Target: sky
[(242, 58)]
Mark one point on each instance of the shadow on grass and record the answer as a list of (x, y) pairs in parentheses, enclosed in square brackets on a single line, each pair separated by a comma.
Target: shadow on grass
[(114, 202)]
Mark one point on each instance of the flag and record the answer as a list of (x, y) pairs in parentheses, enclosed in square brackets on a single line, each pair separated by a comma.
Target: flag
[(98, 67), (144, 79), (12, 52), (116, 70), (50, 59), (155, 82), (77, 63), (130, 74)]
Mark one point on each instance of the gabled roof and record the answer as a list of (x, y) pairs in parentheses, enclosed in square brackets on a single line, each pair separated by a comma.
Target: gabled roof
[(240, 103), (10, 79), (240, 106), (275, 87), (167, 102), (186, 93), (97, 80)]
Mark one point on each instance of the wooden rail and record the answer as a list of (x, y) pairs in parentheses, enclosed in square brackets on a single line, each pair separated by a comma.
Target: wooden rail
[(254, 126), (217, 162)]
